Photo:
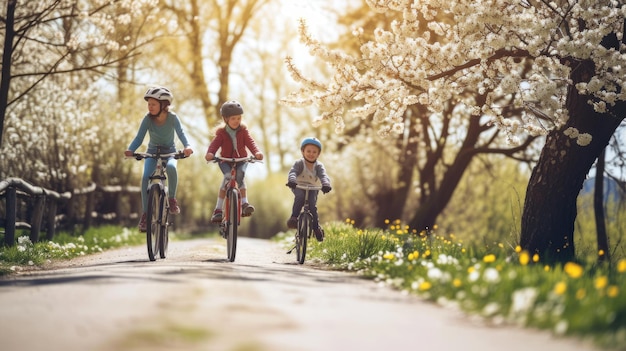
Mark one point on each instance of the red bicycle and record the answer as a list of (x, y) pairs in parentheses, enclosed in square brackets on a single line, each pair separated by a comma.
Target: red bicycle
[(232, 205)]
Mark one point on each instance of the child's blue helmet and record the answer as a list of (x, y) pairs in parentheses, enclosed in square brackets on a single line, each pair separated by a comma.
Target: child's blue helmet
[(312, 141)]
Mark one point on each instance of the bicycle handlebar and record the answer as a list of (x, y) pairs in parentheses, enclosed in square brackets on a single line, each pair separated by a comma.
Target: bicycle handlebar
[(142, 155), (250, 159), (308, 187)]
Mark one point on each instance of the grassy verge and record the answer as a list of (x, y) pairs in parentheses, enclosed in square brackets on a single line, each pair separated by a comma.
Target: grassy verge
[(502, 284), (65, 246)]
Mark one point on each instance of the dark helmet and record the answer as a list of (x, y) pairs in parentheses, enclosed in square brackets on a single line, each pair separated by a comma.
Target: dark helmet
[(312, 141), (159, 93), (231, 108)]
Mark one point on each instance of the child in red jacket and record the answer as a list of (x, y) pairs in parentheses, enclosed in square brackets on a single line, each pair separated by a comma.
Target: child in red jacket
[(233, 138)]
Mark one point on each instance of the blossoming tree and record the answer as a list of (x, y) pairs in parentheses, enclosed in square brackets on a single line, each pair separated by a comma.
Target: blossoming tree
[(560, 62), (50, 38)]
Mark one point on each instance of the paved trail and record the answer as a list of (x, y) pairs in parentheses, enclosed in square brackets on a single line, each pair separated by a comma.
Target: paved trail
[(195, 300)]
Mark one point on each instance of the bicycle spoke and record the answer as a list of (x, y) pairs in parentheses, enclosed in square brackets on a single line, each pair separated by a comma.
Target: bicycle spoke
[(163, 232), (233, 223), (153, 227), (302, 237)]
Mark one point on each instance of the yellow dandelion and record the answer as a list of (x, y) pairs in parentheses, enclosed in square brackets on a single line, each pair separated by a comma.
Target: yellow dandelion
[(501, 245), (621, 265), (425, 286), (414, 255), (386, 221), (560, 288), (612, 291), (470, 269), (600, 252), (601, 282), (348, 220), (546, 268), (489, 258), (427, 253), (524, 258), (574, 270), (389, 256), (457, 283), (463, 250), (536, 258), (518, 249), (580, 294)]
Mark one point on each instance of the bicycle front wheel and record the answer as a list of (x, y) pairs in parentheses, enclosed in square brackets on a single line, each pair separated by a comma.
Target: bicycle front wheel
[(163, 233), (304, 226), (233, 223), (153, 226)]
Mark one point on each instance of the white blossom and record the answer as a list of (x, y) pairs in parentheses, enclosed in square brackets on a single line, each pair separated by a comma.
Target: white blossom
[(505, 50)]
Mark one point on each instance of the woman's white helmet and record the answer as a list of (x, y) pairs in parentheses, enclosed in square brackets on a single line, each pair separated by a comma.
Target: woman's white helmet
[(159, 93)]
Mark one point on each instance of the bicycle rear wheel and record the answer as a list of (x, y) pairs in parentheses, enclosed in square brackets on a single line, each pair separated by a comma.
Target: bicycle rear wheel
[(153, 226), (164, 239), (304, 226), (233, 223)]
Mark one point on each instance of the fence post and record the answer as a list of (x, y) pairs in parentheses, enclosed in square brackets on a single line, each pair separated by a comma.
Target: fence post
[(11, 213), (89, 206), (51, 219), (37, 215)]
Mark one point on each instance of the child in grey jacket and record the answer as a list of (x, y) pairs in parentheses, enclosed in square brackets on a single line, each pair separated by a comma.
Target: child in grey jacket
[(308, 171)]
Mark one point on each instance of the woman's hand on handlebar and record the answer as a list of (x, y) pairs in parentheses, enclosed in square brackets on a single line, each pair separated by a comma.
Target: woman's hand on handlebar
[(258, 156), (128, 153), (209, 156)]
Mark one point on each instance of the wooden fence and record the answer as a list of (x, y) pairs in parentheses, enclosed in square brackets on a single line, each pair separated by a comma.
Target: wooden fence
[(32, 207)]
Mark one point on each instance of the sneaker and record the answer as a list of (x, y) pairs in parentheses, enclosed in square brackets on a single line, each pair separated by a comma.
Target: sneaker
[(247, 209), (174, 209), (143, 225), (292, 223), (217, 216), (319, 234)]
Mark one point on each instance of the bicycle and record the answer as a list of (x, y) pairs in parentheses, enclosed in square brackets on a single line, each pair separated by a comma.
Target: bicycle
[(231, 217), (157, 213), (304, 230)]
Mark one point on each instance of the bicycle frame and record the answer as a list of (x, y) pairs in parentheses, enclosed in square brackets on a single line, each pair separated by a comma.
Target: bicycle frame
[(231, 187)]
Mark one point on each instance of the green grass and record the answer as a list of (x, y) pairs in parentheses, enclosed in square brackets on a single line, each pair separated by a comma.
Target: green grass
[(65, 246), (500, 283)]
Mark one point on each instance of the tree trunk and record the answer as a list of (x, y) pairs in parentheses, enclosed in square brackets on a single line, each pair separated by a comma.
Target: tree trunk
[(549, 213), (438, 194), (391, 203), (5, 80), (598, 210)]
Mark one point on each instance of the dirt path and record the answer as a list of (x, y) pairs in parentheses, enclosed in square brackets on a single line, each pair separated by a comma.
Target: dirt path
[(195, 300)]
